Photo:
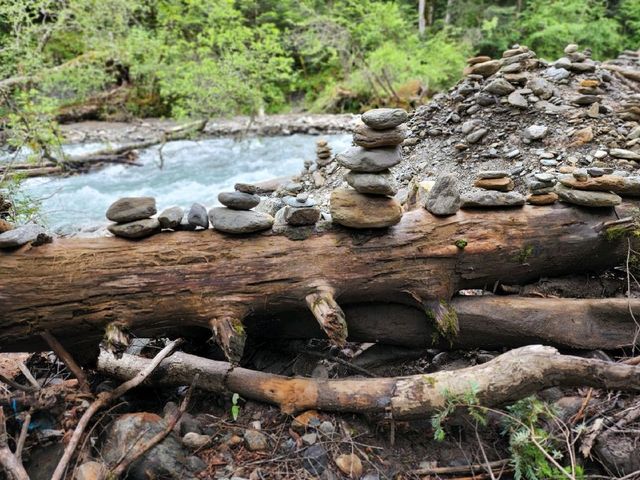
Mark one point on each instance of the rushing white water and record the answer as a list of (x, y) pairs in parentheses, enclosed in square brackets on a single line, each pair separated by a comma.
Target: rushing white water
[(193, 171)]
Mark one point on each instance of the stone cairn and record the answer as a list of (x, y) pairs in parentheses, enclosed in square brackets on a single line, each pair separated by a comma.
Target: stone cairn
[(369, 203), (323, 153), (237, 215), (299, 211), (133, 217)]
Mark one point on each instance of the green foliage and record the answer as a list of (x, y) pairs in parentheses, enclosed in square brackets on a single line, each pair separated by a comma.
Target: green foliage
[(468, 400), (548, 25), (461, 243), (235, 407)]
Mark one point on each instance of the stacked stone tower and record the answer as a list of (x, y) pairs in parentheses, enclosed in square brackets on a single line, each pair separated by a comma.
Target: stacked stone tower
[(369, 203)]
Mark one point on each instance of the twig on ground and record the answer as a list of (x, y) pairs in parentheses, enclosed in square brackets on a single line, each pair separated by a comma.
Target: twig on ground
[(103, 400), (16, 385), (25, 371), (462, 468), (23, 435), (67, 359), (8, 460), (140, 450)]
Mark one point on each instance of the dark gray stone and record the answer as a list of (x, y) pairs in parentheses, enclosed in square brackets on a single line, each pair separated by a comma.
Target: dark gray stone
[(384, 118), (21, 235), (382, 183), (137, 229), (500, 87), (444, 196), (198, 216), (129, 209), (315, 459), (239, 221), (165, 460), (541, 88), (171, 217), (360, 159), (239, 200)]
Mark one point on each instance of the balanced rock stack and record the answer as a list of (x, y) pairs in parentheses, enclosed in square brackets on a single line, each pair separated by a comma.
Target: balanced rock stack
[(300, 210), (133, 217), (369, 203), (542, 188), (494, 180), (592, 188), (323, 153), (237, 215)]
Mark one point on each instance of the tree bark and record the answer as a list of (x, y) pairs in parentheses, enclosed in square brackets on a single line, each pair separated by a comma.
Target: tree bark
[(75, 287), (421, 19), (509, 377)]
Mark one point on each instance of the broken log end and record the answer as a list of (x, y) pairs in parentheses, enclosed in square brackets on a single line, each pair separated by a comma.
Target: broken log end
[(329, 315)]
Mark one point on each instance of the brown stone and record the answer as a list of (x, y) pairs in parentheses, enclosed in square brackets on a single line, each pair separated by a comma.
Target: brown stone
[(5, 226), (305, 420), (478, 59), (582, 136), (589, 83), (566, 169), (605, 183), (546, 199), (356, 210), (504, 184), (350, 464), (486, 69), (367, 137)]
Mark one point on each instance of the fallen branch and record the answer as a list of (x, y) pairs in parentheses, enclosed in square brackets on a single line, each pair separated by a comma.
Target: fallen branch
[(104, 399), (8, 460), (67, 359), (511, 376), (462, 469)]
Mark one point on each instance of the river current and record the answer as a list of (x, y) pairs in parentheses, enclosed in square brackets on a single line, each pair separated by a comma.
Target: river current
[(193, 171)]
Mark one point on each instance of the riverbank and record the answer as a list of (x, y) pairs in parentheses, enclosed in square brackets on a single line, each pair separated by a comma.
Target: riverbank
[(239, 126)]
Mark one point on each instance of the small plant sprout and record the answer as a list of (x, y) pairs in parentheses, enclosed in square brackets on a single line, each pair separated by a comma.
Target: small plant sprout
[(235, 408)]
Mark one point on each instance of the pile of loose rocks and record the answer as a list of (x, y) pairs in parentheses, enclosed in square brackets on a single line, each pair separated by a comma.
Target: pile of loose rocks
[(529, 123), (370, 203)]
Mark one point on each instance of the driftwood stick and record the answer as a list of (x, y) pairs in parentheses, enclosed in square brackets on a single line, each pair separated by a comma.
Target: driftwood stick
[(105, 399), (25, 371), (24, 430), (329, 315), (16, 385), (508, 377), (143, 448), (67, 359), (463, 468), (10, 463)]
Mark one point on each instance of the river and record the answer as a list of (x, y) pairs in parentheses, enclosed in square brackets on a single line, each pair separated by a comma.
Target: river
[(193, 171)]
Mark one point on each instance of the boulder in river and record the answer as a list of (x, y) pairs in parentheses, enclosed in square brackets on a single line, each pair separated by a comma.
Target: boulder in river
[(239, 221), (360, 159), (128, 209), (136, 229), (356, 210)]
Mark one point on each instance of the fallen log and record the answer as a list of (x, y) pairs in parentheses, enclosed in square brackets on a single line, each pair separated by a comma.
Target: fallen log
[(75, 287), (509, 377)]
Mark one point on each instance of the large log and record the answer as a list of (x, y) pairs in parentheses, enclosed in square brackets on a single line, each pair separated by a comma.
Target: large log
[(508, 377), (75, 287)]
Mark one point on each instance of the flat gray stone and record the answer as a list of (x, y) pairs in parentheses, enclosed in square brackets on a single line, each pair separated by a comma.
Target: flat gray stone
[(586, 198), (382, 183), (477, 135), (444, 196), (367, 137), (625, 154), (541, 88), (198, 216), (239, 200), (516, 99), (245, 188), (171, 217), (129, 209), (491, 199), (487, 174), (21, 235), (384, 118), (239, 221), (136, 229), (361, 159)]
